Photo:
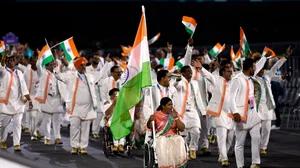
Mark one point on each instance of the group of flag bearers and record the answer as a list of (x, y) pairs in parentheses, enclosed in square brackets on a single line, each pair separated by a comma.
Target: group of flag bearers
[(52, 88)]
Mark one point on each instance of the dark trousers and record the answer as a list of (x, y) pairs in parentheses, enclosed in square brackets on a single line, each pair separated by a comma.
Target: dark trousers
[(277, 91)]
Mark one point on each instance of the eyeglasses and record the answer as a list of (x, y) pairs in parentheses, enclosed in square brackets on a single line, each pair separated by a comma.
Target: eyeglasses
[(118, 72)]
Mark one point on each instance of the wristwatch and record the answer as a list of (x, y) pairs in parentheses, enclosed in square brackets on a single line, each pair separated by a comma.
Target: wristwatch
[(30, 101)]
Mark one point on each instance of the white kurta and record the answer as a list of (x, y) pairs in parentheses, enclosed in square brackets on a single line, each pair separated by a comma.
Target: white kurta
[(32, 82), (189, 103), (238, 93), (219, 104), (108, 84), (17, 91), (85, 100)]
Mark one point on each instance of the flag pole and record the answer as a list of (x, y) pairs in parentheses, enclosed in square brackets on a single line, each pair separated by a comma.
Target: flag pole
[(60, 43), (46, 41)]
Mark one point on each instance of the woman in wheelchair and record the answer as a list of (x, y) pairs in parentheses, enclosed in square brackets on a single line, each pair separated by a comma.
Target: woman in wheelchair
[(170, 147), (118, 145)]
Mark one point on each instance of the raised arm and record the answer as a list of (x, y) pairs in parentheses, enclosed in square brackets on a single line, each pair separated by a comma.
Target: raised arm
[(188, 53), (260, 64)]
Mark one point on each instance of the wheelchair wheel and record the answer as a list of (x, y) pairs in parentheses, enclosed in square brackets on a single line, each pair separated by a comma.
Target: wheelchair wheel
[(147, 157), (106, 148)]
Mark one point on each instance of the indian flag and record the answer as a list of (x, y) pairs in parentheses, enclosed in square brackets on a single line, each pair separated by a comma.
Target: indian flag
[(69, 49), (154, 39), (244, 43), (190, 24), (236, 58), (266, 50), (216, 50), (137, 76), (168, 63), (45, 56), (2, 48), (180, 63)]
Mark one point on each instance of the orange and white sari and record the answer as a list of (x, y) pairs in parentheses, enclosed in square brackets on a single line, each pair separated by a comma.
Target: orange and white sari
[(170, 147)]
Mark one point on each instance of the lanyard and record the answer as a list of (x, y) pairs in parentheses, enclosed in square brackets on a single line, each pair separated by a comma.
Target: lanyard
[(161, 92), (81, 78)]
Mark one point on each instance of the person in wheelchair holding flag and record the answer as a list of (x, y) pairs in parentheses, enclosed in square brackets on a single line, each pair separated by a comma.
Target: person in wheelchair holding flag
[(170, 146), (118, 145)]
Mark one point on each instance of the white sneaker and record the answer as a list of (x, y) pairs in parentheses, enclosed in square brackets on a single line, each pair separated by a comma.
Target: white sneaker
[(274, 127)]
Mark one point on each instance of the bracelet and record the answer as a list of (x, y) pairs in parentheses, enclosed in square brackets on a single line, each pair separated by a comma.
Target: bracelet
[(176, 118)]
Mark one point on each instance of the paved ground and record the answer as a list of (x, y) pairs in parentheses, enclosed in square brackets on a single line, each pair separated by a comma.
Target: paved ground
[(283, 152)]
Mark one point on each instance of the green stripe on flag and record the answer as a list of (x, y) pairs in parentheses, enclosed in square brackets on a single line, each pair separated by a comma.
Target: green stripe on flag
[(189, 30), (179, 64), (129, 96), (47, 60), (247, 49), (67, 55), (212, 53), (162, 61), (2, 53)]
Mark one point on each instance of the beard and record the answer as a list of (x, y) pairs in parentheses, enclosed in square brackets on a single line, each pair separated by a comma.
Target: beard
[(95, 62)]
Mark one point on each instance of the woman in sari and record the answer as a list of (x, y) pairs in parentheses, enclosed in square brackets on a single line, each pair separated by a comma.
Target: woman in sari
[(170, 147)]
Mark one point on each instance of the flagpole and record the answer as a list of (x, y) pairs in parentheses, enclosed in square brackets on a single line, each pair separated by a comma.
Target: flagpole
[(46, 41), (60, 43)]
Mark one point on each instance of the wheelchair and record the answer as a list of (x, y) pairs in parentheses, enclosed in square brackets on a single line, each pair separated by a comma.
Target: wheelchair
[(108, 143), (150, 158)]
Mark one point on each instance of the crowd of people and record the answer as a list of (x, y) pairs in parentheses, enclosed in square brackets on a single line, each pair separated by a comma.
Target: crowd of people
[(192, 100)]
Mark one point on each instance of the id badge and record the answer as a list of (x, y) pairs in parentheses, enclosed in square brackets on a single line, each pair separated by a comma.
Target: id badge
[(188, 106), (251, 102)]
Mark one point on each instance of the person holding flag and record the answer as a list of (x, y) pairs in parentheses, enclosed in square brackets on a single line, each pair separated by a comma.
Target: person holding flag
[(81, 107), (49, 95)]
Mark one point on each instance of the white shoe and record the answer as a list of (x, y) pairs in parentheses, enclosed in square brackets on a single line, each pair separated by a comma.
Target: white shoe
[(274, 127)]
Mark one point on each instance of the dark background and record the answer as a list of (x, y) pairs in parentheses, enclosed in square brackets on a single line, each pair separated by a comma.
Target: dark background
[(116, 23)]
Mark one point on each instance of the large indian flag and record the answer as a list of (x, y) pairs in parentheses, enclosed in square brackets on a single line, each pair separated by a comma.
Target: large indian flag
[(137, 76), (2, 48), (45, 56), (69, 49), (190, 24), (244, 43)]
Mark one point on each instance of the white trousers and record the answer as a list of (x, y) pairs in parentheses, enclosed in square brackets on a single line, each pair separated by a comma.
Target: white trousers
[(119, 142), (79, 132), (4, 122), (35, 121), (96, 123), (225, 138), (240, 142), (203, 135), (56, 120), (26, 120), (192, 136), (265, 133)]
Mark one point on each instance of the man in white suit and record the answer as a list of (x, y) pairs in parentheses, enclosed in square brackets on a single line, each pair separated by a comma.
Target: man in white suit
[(81, 104), (266, 103), (204, 78), (244, 113), (190, 106), (13, 96), (218, 107)]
